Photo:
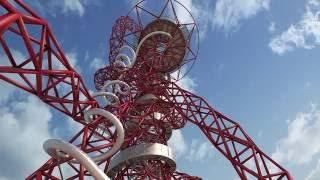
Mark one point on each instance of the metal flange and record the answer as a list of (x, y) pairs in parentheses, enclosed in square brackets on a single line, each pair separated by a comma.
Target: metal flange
[(141, 152)]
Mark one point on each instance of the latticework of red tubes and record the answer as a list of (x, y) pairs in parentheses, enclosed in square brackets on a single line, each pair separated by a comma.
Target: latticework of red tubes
[(150, 50)]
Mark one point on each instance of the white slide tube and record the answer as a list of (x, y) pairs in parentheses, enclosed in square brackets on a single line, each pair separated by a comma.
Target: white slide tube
[(118, 84), (106, 95), (144, 39), (53, 146), (119, 128), (87, 115)]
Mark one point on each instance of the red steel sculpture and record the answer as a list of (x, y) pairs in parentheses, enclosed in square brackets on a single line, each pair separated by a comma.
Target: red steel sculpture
[(125, 137)]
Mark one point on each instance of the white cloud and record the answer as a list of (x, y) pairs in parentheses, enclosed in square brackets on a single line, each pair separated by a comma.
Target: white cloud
[(73, 6), (17, 56), (226, 14), (304, 34), (188, 83), (201, 12), (97, 63), (302, 142), (199, 151), (6, 90), (229, 13), (272, 27), (72, 58), (195, 151), (67, 7), (315, 173), (73, 61), (134, 2), (24, 127), (177, 143), (70, 129)]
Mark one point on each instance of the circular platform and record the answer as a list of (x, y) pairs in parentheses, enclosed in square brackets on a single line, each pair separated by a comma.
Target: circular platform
[(142, 152), (161, 53)]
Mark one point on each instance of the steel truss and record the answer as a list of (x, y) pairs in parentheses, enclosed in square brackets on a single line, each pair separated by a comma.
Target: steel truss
[(153, 106)]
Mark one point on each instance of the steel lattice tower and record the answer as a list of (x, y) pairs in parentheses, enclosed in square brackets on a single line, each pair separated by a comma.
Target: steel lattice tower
[(126, 138)]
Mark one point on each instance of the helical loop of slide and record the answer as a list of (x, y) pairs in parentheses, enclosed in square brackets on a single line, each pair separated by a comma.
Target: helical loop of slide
[(52, 146), (121, 57), (59, 149)]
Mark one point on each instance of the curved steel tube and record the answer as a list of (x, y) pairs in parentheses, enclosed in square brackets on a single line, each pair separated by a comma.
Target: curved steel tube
[(60, 149), (107, 94), (119, 61), (119, 128), (146, 98), (144, 39), (130, 48), (119, 141), (118, 89), (53, 146), (130, 63)]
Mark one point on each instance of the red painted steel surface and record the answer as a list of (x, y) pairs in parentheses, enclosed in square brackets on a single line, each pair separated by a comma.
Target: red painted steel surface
[(46, 73)]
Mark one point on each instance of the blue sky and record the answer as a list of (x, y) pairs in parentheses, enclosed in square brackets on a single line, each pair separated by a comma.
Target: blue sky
[(258, 64)]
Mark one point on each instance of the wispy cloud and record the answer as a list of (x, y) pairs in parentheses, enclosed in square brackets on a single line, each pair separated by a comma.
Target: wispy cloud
[(195, 150), (272, 27), (187, 82), (200, 10), (199, 150), (74, 6), (315, 173), (73, 60), (229, 13), (25, 123), (302, 142), (224, 14), (66, 7), (6, 90), (303, 34), (177, 143), (97, 63)]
